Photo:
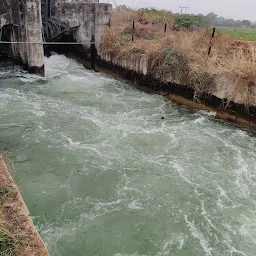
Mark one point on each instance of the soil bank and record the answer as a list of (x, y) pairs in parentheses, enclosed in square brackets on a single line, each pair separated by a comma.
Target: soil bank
[(16, 220)]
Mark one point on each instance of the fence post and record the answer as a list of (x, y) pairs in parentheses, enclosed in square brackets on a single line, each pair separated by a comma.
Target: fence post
[(165, 27), (213, 34), (133, 28)]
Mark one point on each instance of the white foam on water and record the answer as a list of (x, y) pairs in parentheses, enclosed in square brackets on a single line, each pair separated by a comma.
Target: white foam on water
[(176, 240), (222, 187), (135, 205), (242, 175), (200, 120), (100, 205), (178, 167), (207, 113), (134, 254), (198, 235)]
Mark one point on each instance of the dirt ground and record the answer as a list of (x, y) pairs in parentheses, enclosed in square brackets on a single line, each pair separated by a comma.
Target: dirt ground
[(15, 218)]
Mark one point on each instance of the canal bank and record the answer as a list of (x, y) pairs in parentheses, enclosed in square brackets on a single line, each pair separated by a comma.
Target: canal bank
[(17, 231)]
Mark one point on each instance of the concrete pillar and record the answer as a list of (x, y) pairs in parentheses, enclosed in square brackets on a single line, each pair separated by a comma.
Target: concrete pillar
[(26, 26)]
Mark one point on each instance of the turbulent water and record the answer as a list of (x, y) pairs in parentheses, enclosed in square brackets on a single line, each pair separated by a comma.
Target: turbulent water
[(103, 174)]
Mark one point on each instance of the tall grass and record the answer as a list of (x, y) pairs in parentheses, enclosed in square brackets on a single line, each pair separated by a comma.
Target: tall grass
[(182, 56)]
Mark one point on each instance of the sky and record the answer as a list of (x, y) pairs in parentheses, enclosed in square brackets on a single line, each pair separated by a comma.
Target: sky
[(237, 9)]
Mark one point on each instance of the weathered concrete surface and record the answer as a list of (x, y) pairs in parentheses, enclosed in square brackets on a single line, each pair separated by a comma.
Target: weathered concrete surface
[(25, 18), (5, 19), (92, 19), (137, 62), (4, 6), (224, 88)]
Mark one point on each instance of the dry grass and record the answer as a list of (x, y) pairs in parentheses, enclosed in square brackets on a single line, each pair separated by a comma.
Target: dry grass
[(182, 56), (8, 242)]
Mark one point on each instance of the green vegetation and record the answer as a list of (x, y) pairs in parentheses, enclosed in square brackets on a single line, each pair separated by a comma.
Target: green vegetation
[(189, 21), (7, 243), (170, 62), (246, 34), (152, 15), (3, 192)]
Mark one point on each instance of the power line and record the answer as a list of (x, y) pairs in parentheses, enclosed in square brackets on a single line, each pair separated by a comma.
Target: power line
[(183, 8)]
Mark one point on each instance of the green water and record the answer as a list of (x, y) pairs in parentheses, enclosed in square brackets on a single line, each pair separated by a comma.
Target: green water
[(103, 174)]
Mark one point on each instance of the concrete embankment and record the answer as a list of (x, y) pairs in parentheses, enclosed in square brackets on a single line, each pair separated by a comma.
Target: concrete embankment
[(17, 231), (136, 70)]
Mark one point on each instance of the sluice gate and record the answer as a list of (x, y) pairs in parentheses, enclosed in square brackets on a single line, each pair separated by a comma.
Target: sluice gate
[(25, 27)]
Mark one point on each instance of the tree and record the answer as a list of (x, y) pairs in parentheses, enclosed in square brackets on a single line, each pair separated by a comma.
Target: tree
[(246, 23), (121, 7), (211, 18), (189, 21)]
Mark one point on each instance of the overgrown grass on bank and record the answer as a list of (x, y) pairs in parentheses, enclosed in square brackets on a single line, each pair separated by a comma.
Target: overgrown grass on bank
[(7, 241), (181, 56)]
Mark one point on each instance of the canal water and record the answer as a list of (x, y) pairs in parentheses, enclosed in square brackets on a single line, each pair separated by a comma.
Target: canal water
[(104, 175)]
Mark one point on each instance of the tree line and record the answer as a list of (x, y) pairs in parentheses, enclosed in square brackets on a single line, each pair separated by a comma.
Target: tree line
[(192, 21)]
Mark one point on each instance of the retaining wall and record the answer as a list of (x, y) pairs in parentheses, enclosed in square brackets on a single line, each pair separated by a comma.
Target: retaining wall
[(222, 99)]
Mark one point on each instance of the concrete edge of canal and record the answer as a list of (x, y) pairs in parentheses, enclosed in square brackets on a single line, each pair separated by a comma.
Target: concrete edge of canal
[(17, 231)]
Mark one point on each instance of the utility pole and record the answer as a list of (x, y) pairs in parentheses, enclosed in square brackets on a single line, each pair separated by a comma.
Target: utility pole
[(183, 8)]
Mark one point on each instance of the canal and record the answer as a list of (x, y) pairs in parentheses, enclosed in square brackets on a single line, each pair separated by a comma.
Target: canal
[(109, 170)]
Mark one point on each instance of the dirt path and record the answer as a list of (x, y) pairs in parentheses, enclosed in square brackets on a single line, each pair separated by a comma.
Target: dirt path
[(18, 235)]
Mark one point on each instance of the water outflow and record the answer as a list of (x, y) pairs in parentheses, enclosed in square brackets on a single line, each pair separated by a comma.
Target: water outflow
[(103, 174)]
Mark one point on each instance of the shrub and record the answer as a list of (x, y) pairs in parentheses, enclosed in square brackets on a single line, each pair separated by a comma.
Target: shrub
[(170, 64), (154, 16), (189, 21), (201, 80)]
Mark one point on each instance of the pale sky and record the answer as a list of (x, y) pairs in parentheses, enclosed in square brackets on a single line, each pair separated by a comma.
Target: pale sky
[(237, 9)]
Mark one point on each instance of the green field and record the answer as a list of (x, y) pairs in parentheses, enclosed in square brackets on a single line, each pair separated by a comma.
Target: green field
[(247, 34)]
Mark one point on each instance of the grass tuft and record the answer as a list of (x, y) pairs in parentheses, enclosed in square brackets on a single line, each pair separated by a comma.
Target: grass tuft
[(171, 64), (7, 244), (7, 241)]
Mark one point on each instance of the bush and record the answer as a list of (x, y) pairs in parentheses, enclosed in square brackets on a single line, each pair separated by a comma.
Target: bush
[(201, 80), (171, 64), (154, 16), (189, 21)]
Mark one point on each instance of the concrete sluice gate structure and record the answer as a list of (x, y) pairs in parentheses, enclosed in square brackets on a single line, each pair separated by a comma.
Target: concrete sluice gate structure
[(27, 24)]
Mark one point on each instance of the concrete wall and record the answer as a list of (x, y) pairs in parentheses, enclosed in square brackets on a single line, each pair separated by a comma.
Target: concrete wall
[(91, 17), (4, 6), (25, 18), (225, 85), (137, 62)]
